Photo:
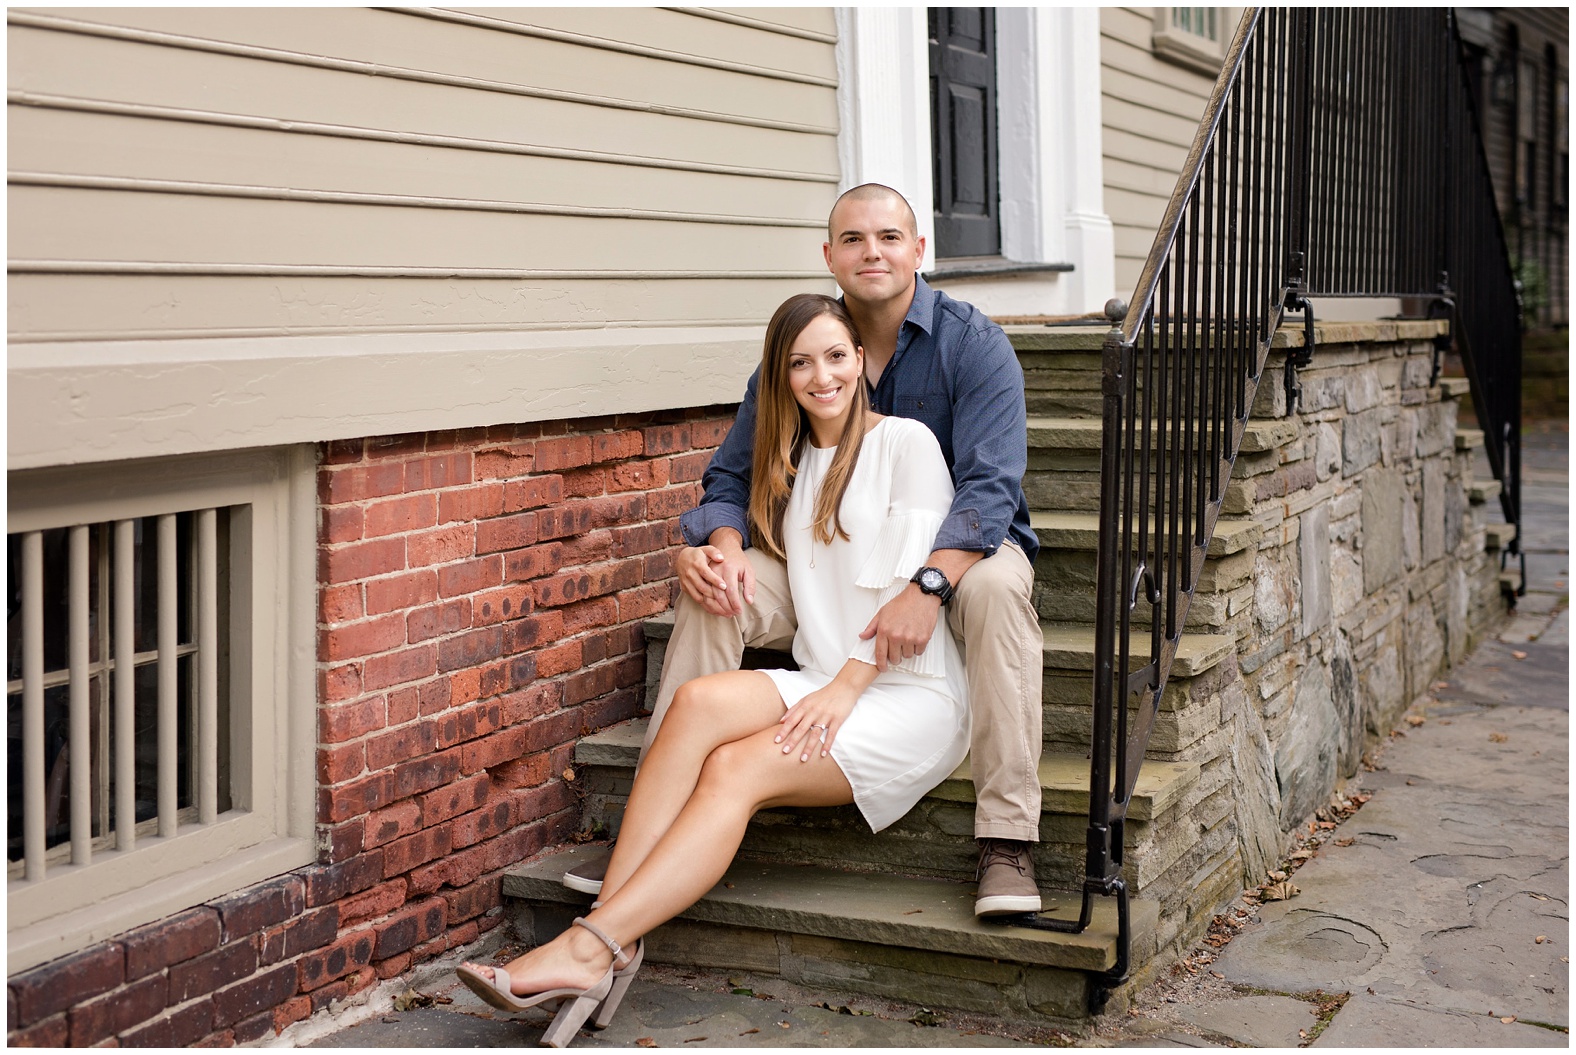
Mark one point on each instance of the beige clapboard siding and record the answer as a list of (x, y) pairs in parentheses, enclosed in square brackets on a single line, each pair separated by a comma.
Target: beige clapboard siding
[(101, 68), (137, 307), (1150, 109), (75, 143), (485, 48), (155, 152)]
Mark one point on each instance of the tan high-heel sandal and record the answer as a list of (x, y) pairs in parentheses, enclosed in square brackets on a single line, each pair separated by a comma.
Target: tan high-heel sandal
[(574, 1005)]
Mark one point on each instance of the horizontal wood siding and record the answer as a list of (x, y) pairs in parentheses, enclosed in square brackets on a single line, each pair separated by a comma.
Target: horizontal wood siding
[(212, 172), (1150, 109)]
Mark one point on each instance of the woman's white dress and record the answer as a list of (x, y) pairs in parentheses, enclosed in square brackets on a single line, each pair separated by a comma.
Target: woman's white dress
[(910, 728)]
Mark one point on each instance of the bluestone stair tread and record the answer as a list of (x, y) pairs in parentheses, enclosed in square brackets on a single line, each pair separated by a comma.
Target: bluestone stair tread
[(1085, 433), (1469, 439), (1064, 777), (1480, 491), (1070, 646), (929, 914), (1081, 531)]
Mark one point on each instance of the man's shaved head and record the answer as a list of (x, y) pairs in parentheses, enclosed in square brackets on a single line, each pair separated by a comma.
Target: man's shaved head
[(874, 192)]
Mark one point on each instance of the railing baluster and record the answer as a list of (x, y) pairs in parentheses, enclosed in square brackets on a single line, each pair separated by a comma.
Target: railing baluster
[(33, 835), (125, 686), (168, 737), (79, 752)]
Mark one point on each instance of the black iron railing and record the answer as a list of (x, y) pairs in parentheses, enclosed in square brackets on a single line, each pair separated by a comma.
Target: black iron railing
[(1338, 156)]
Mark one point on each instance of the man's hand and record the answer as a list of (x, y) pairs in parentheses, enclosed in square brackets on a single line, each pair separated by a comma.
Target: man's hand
[(903, 626), (719, 577)]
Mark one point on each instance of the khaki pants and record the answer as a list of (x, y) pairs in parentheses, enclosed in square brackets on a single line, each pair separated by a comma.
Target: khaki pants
[(991, 615)]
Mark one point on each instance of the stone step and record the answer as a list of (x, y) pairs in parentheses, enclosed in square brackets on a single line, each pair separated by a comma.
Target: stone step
[(936, 837), (1049, 432), (1065, 571), (1469, 439), (875, 934), (1481, 491), (1498, 536)]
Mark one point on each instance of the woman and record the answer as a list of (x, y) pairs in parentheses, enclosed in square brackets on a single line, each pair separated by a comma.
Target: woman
[(851, 502)]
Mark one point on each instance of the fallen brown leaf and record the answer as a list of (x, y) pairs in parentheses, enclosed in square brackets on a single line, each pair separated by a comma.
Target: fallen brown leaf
[(569, 774), (1498, 738), (1540, 939), (1540, 897), (1415, 720), (1280, 892), (645, 1042), (1508, 1019), (1216, 974), (911, 911), (1519, 655), (692, 1040), (783, 1025), (748, 1032), (1344, 842)]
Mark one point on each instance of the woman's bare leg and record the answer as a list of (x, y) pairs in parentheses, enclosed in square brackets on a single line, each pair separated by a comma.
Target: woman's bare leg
[(737, 779), (705, 714)]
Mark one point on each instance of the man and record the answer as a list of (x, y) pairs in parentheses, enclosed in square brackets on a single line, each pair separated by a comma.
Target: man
[(941, 362)]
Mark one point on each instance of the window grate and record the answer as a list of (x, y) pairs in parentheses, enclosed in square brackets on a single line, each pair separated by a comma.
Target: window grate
[(115, 689)]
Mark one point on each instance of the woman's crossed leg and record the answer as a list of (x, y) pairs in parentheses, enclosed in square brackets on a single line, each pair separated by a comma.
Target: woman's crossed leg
[(715, 762)]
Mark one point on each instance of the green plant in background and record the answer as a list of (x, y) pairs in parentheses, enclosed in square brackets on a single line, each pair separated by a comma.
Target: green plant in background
[(1532, 282)]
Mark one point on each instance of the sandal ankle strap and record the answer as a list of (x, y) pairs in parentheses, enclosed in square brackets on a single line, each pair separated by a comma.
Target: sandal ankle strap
[(614, 947)]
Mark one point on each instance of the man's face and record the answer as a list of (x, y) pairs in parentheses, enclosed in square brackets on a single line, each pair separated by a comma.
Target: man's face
[(873, 254)]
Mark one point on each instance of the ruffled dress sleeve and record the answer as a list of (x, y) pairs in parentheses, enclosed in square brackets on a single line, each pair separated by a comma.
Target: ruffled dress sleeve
[(921, 496)]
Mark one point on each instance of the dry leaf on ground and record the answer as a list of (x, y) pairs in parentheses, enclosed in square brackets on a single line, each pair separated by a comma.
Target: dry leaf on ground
[(645, 1042), (1519, 655), (1344, 842), (1415, 720), (1498, 738), (1540, 939), (1280, 892), (1508, 1019)]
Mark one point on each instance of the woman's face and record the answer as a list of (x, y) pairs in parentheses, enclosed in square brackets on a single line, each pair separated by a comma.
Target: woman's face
[(824, 367)]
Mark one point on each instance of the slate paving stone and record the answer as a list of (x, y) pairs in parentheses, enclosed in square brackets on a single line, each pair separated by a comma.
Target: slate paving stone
[(1368, 1021), (1262, 1021)]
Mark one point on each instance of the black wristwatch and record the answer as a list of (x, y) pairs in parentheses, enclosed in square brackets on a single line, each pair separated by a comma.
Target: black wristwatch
[(934, 582)]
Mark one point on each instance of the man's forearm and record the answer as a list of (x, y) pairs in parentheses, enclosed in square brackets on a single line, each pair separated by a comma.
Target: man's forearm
[(727, 538), (954, 563)]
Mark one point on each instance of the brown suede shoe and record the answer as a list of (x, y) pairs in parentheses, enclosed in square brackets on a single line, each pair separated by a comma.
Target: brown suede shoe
[(587, 876), (1006, 879)]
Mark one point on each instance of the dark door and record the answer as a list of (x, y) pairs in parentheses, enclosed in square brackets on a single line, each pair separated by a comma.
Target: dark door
[(963, 130)]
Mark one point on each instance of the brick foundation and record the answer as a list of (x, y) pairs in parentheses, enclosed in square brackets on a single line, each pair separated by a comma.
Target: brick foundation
[(480, 596)]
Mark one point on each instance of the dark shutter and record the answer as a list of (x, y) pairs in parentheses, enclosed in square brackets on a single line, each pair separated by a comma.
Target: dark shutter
[(963, 131)]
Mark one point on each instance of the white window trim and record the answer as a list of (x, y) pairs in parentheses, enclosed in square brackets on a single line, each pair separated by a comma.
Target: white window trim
[(77, 906), (1048, 105), (1193, 50)]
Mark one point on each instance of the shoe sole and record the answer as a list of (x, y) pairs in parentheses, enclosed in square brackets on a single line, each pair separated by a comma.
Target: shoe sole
[(1005, 904), (585, 886)]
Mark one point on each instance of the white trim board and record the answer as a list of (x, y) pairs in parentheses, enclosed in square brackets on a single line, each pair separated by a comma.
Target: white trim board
[(91, 401)]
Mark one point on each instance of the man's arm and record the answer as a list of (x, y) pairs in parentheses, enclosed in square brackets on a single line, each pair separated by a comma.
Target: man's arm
[(714, 571), (725, 498), (989, 444)]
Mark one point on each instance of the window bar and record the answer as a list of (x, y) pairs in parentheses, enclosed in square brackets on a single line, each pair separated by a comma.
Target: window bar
[(207, 667), (79, 751), (33, 704), (169, 746), (125, 687)]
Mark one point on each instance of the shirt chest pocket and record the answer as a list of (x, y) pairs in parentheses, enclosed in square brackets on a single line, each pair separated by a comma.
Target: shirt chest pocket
[(933, 410)]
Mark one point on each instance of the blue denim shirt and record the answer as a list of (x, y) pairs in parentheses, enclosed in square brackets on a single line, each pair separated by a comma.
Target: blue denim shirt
[(955, 371)]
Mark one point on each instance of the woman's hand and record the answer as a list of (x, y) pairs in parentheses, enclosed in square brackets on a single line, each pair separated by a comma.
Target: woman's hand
[(812, 724)]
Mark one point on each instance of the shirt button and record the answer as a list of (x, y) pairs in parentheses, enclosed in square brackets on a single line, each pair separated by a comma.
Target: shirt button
[(922, 404)]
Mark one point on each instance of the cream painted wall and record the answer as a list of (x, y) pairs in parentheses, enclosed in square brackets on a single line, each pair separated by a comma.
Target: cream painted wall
[(238, 227)]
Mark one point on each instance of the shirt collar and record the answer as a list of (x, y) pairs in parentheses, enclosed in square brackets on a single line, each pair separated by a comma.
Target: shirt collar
[(922, 310)]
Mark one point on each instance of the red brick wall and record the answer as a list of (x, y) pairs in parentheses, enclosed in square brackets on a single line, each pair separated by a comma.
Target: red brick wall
[(480, 599)]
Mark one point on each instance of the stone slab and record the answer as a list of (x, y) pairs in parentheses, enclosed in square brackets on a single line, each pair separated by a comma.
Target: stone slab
[(1064, 777), (1069, 647), (1375, 1022), (1262, 1021), (929, 914), (1081, 531)]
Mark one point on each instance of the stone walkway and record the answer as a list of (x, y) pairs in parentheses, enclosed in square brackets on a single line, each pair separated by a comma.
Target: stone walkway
[(1435, 913)]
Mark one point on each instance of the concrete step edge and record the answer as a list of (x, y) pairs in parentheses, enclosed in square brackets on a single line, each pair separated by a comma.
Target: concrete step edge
[(1064, 776), (1081, 531), (1070, 646), (927, 914), (1084, 434)]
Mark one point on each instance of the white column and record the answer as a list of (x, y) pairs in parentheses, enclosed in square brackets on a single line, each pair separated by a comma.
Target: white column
[(1074, 69), (883, 102)]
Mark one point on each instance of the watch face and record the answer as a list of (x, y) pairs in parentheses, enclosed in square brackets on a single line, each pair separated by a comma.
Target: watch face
[(931, 579)]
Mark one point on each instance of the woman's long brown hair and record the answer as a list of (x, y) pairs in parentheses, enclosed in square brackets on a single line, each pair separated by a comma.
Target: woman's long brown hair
[(782, 428)]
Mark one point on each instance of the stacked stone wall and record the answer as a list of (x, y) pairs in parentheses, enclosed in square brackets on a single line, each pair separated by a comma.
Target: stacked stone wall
[(480, 601)]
